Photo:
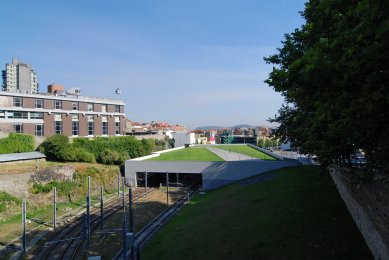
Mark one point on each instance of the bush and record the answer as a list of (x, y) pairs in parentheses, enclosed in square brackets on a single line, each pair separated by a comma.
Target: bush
[(17, 143), (5, 199), (126, 146), (112, 157), (56, 147), (63, 187)]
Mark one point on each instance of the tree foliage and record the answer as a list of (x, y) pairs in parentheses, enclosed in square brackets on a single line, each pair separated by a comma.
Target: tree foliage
[(17, 143), (107, 150), (333, 74)]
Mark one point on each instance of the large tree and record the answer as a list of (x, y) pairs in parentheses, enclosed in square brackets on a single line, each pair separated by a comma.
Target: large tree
[(333, 74)]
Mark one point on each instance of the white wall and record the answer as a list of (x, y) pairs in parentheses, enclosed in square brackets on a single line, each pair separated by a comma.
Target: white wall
[(182, 138)]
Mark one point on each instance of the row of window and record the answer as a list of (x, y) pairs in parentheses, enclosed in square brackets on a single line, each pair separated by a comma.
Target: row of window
[(18, 102), (39, 115), (39, 128), (21, 115)]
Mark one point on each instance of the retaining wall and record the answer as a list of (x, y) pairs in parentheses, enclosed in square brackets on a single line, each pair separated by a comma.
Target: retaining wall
[(368, 203)]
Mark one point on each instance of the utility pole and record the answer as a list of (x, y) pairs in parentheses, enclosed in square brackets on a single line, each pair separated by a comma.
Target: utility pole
[(88, 212), (84, 236), (118, 183), (145, 183), (124, 254), (167, 188), (55, 208), (131, 213), (24, 227), (101, 206)]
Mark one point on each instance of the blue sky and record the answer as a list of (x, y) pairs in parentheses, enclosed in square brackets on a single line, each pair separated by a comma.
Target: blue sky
[(184, 61)]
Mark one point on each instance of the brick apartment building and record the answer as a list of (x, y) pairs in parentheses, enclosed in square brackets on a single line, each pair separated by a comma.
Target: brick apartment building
[(57, 111)]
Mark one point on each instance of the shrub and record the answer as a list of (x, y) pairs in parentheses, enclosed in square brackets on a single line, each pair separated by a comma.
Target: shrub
[(17, 143), (112, 157), (56, 147), (84, 156), (126, 145), (63, 187), (5, 199)]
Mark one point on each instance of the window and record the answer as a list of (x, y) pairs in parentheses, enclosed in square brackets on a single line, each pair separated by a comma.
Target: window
[(104, 108), (39, 130), (18, 102), (2, 114), (74, 105), (74, 117), (58, 104), (38, 103), (75, 128), (117, 108), (58, 127), (90, 128), (117, 128), (18, 128), (36, 115), (90, 118), (104, 128), (90, 107), (18, 115), (57, 117)]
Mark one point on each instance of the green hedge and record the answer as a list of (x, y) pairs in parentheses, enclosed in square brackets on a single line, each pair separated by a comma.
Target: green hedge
[(107, 150), (17, 143), (58, 148)]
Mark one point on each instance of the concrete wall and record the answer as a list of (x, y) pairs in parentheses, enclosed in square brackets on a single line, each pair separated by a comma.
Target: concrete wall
[(15, 184), (368, 204), (214, 174)]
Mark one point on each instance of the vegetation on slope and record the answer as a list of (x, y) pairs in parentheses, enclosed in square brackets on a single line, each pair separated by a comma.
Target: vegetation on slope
[(188, 154), (298, 214), (247, 150)]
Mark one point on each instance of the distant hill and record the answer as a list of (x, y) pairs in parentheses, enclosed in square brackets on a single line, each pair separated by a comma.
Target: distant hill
[(221, 127), (208, 127), (243, 126)]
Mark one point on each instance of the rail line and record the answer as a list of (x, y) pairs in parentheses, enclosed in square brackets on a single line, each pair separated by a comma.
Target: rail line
[(71, 238), (144, 235)]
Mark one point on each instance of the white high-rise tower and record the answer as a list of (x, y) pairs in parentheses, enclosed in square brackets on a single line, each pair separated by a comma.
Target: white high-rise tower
[(19, 77)]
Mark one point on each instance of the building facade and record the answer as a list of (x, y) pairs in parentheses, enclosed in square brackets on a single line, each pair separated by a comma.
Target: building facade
[(51, 113), (19, 77)]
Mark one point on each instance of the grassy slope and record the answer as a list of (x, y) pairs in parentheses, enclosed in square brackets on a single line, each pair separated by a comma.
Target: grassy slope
[(244, 149), (297, 215), (188, 154)]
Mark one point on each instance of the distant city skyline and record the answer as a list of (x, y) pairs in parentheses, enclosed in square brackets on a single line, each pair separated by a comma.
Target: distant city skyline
[(195, 63)]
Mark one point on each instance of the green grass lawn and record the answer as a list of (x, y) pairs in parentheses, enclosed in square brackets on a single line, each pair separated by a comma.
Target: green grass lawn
[(296, 215), (247, 150), (188, 154)]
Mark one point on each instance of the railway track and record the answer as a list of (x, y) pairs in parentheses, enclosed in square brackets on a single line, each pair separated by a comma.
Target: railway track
[(70, 239), (144, 235)]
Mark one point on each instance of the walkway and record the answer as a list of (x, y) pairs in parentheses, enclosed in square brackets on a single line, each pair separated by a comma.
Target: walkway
[(230, 156)]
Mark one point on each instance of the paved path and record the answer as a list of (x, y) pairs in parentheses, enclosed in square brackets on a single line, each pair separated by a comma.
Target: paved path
[(230, 156)]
